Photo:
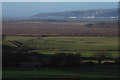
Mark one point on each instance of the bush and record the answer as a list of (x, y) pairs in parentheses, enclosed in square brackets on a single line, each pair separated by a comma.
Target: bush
[(88, 25), (108, 63), (89, 63), (117, 62)]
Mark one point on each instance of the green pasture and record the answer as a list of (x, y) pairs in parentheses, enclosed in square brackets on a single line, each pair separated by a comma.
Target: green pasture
[(74, 44), (96, 71), (18, 38), (84, 45)]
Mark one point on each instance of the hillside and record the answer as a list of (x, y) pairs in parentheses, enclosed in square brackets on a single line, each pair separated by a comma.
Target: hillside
[(99, 13)]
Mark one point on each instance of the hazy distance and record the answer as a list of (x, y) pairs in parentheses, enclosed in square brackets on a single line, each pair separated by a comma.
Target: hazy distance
[(26, 9)]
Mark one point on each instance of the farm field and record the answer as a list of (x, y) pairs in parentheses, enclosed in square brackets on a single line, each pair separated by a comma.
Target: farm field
[(98, 29), (84, 45)]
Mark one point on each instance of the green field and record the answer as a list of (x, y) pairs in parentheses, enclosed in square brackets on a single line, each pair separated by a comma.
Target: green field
[(87, 46), (96, 71)]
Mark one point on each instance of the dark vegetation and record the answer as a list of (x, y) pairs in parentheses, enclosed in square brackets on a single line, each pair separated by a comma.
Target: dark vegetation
[(15, 57)]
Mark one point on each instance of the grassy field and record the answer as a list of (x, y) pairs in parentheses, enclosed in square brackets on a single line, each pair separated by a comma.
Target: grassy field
[(87, 46), (96, 71)]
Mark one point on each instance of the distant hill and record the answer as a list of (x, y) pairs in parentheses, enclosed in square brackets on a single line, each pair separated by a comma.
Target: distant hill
[(71, 16), (99, 13)]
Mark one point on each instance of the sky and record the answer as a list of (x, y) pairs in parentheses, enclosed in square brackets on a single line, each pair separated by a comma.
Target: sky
[(26, 9), (60, 0)]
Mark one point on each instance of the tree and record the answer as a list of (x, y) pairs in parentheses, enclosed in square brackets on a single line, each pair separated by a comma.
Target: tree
[(57, 58), (66, 59), (100, 55), (72, 60)]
